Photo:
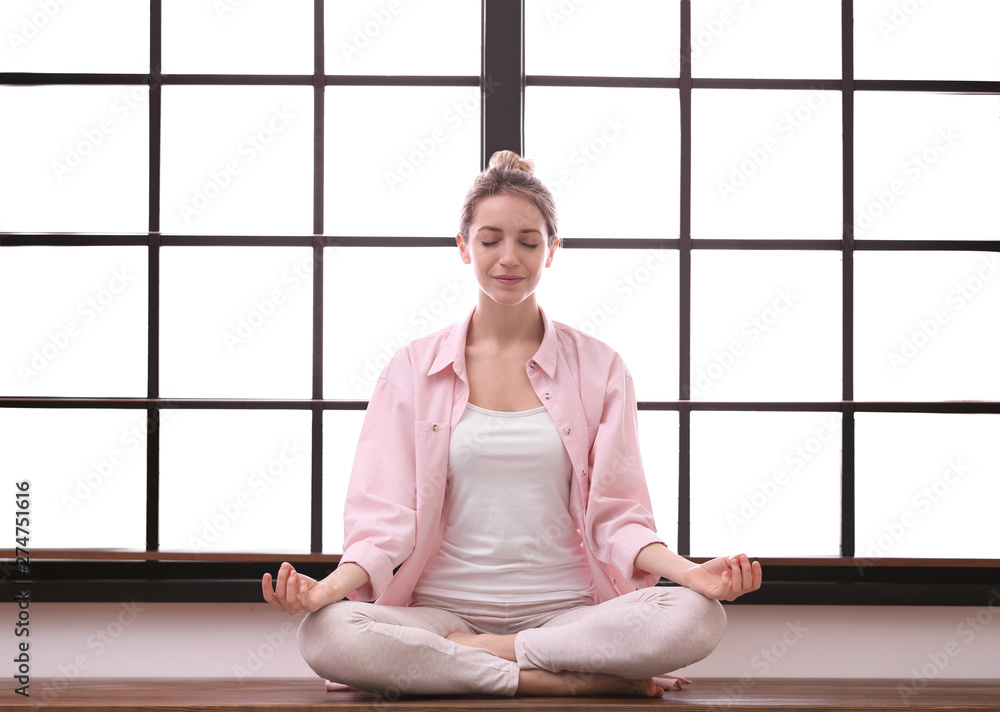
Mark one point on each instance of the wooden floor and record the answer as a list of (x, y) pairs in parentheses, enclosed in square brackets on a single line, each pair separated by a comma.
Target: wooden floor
[(703, 696)]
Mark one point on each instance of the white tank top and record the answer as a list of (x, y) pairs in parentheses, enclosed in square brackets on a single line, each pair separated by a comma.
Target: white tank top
[(509, 534)]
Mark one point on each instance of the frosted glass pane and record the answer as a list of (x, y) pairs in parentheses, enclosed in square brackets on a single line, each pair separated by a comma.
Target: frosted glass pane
[(235, 480), (926, 40), (610, 156), (927, 325), (377, 299), (236, 322), (766, 164), (767, 484), (926, 485), (87, 469), (639, 38), (782, 39), (925, 166), (766, 325), (393, 171), (74, 321), (111, 36), (261, 37), (237, 160), (629, 300), (82, 158), (658, 441), (400, 37), (341, 430)]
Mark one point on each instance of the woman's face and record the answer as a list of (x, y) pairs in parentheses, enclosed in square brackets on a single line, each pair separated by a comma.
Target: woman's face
[(507, 248)]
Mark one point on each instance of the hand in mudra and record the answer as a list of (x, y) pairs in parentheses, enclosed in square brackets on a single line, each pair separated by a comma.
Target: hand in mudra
[(725, 578), (297, 593)]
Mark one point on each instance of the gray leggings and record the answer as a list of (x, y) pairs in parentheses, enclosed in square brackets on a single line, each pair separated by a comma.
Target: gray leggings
[(393, 651)]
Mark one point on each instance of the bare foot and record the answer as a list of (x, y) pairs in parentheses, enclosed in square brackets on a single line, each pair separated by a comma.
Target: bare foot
[(545, 683), (500, 645)]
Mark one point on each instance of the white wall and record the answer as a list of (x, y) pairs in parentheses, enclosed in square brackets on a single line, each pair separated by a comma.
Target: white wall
[(234, 640)]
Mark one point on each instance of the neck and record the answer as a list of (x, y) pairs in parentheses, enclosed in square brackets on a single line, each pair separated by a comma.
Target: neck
[(502, 326)]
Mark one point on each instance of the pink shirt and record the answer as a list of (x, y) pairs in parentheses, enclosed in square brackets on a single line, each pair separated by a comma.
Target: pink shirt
[(395, 508)]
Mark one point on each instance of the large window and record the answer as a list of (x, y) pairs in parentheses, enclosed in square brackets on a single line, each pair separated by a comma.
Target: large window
[(219, 220)]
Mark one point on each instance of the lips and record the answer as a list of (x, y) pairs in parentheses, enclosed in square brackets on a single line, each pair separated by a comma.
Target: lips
[(508, 279)]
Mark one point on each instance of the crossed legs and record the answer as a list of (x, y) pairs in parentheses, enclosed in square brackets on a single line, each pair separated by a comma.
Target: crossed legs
[(615, 647)]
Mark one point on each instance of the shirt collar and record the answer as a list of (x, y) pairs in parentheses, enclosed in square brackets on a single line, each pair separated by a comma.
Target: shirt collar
[(452, 351)]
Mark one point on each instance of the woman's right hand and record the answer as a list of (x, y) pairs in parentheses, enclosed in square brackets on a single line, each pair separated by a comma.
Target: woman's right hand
[(297, 593)]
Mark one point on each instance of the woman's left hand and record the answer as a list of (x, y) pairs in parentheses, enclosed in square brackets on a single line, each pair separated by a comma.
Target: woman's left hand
[(725, 578)]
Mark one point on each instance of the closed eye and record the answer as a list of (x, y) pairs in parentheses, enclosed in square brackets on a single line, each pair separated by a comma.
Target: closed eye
[(490, 244)]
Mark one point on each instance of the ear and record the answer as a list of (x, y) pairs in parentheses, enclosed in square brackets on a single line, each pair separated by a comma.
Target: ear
[(463, 249), (552, 252)]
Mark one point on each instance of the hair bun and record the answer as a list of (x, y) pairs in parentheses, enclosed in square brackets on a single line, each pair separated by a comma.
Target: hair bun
[(509, 159)]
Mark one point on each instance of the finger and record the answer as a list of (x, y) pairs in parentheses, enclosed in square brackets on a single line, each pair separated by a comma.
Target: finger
[(280, 587), (265, 583), (746, 573), (294, 589), (758, 575)]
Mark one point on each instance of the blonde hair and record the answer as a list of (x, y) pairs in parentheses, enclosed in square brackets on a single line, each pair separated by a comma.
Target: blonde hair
[(509, 174)]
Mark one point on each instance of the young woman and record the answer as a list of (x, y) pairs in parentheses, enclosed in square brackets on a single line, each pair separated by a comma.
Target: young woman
[(498, 468)]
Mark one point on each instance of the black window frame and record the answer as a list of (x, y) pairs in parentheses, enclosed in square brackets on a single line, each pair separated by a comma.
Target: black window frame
[(154, 575)]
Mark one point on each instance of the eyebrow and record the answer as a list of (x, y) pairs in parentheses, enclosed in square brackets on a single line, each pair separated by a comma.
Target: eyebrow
[(496, 229)]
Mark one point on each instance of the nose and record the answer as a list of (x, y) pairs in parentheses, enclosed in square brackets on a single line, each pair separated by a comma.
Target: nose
[(508, 255)]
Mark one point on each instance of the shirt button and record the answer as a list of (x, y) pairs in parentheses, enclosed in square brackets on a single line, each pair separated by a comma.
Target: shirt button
[(434, 427), (567, 431), (583, 472), (547, 395), (531, 364)]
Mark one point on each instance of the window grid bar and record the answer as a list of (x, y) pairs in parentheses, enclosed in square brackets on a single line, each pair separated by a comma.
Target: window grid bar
[(153, 308), (684, 300), (986, 407), (319, 154), (502, 75), (15, 239), (847, 493)]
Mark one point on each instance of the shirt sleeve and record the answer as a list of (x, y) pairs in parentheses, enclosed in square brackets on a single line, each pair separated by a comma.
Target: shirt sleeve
[(380, 506), (619, 512)]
